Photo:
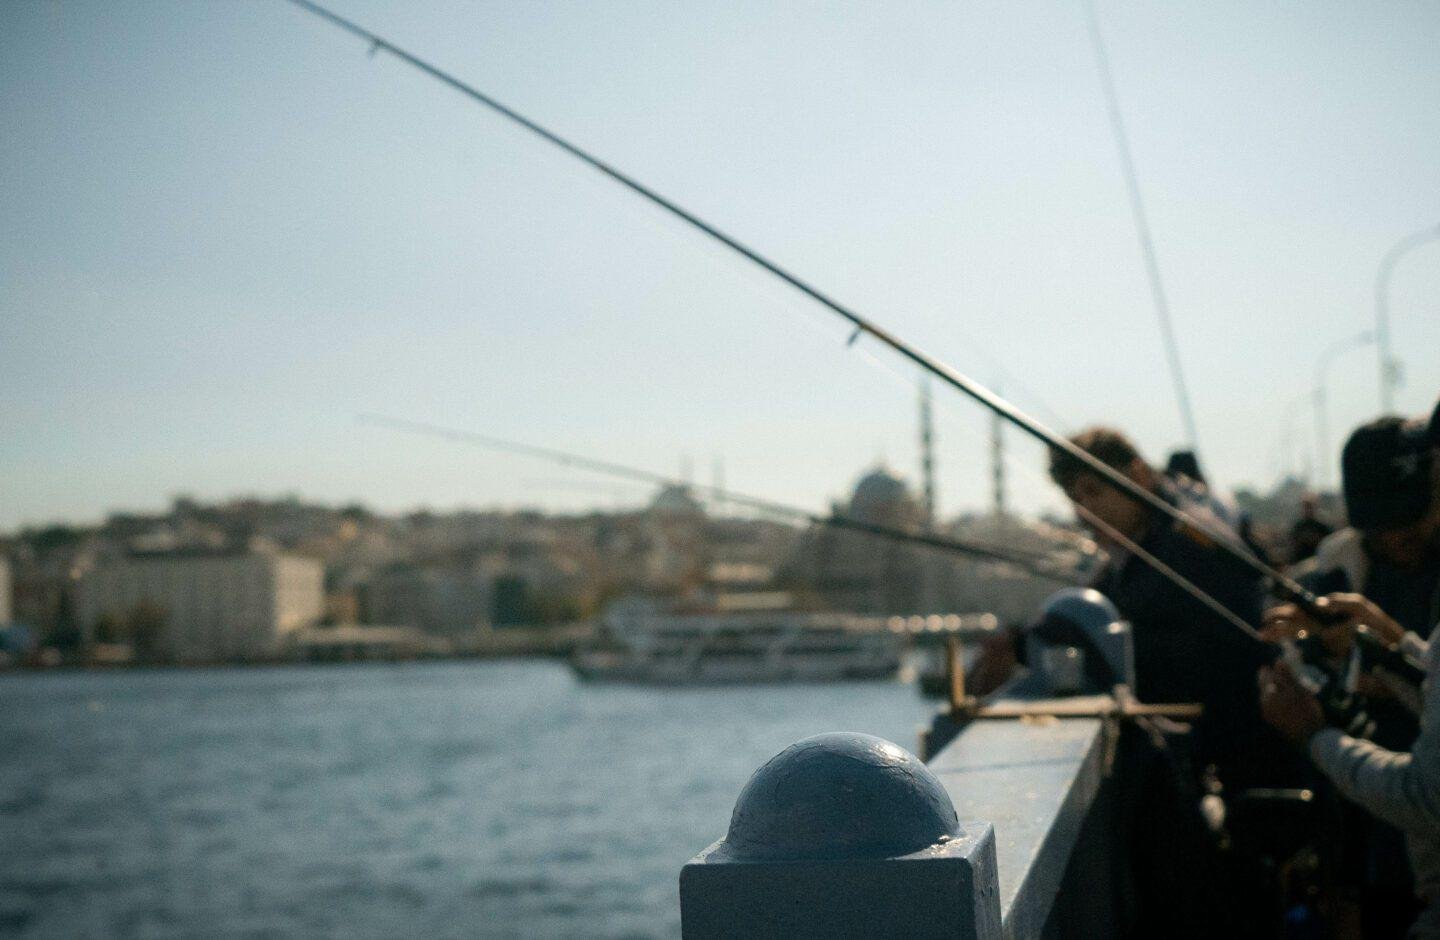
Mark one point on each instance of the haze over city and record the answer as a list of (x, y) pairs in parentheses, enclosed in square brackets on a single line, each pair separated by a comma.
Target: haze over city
[(230, 232)]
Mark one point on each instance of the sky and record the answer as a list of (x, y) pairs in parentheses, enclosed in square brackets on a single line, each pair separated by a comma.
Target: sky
[(228, 231)]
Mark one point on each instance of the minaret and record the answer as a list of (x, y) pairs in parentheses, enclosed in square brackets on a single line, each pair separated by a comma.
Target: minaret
[(997, 462), (927, 454), (929, 573)]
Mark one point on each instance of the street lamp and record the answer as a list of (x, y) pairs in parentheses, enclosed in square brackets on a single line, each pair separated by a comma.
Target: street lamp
[(1287, 440), (1389, 365), (1322, 418)]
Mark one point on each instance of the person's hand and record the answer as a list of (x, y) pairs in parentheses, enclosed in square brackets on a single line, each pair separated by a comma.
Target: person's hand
[(1291, 621), (1287, 705), (1287, 622), (1362, 613)]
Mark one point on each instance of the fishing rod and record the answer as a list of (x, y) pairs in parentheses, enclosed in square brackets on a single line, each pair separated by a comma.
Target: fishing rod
[(1285, 585), (1030, 562), (1165, 571)]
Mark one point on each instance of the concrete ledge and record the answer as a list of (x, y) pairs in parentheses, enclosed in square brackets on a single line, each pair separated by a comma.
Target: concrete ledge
[(1008, 831), (844, 835), (1035, 781), (947, 890)]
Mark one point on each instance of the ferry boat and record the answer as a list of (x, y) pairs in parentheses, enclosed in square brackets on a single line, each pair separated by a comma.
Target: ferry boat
[(719, 646)]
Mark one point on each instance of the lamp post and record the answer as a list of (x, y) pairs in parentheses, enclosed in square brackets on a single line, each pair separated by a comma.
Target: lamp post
[(1322, 417), (1287, 440), (1389, 365)]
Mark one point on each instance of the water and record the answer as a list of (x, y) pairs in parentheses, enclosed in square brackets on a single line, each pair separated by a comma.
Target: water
[(494, 799)]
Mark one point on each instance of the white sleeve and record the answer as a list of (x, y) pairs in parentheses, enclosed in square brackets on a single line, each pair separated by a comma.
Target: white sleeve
[(1402, 789)]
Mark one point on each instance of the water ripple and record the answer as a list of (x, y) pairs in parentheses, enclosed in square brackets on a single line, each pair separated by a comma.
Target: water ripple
[(490, 799)]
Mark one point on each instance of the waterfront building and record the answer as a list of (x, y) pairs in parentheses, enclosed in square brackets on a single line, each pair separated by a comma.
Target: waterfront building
[(672, 548), (44, 569), (855, 572), (438, 599), (198, 606)]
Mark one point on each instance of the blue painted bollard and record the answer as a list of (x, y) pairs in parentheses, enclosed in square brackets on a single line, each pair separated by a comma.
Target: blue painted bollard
[(844, 835)]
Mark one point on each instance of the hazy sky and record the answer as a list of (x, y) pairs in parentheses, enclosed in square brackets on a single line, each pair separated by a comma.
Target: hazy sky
[(227, 231)]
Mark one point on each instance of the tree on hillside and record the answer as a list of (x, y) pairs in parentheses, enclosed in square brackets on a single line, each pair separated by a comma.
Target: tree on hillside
[(145, 626)]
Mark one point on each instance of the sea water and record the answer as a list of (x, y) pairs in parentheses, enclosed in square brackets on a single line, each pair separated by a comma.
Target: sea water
[(419, 799)]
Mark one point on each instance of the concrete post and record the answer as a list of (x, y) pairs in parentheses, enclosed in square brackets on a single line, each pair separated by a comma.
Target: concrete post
[(844, 835)]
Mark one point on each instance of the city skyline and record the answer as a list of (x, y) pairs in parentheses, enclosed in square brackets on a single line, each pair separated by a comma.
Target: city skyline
[(232, 232)]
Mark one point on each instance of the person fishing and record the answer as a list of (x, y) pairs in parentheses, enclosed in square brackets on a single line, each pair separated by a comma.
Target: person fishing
[(1399, 787), (1184, 651), (1383, 573), (1182, 469), (1390, 553), (1308, 531)]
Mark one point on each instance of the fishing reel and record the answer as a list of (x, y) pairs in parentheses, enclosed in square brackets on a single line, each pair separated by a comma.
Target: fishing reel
[(1309, 658), (1342, 708), (1080, 645), (1396, 663)]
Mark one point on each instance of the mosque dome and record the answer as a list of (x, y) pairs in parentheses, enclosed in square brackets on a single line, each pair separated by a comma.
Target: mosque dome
[(676, 500), (881, 496)]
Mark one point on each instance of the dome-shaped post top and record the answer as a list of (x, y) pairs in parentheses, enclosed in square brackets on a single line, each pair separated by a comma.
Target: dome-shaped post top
[(1085, 607), (1085, 619), (840, 795)]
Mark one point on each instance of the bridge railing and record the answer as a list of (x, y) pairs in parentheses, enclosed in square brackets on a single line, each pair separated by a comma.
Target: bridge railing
[(1031, 807)]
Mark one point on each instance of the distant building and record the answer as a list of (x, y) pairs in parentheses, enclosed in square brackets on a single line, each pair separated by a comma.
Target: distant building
[(204, 606), (436, 599), (677, 500), (882, 498), (43, 573), (672, 551), (855, 572)]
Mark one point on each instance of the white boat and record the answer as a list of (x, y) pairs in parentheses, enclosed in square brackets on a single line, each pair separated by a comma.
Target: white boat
[(713, 648)]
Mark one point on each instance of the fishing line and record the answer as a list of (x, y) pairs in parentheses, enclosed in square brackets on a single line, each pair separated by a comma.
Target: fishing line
[(1179, 580), (1119, 538), (1031, 562), (971, 436), (1142, 224), (861, 325)]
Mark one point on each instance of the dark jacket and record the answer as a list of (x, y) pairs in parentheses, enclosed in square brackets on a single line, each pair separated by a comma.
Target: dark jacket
[(1186, 652)]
